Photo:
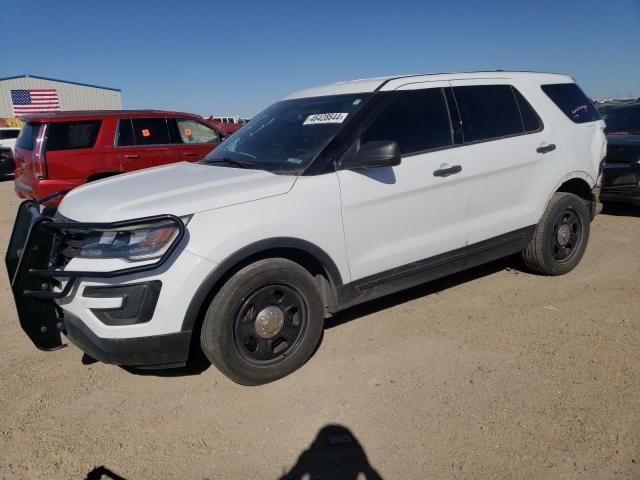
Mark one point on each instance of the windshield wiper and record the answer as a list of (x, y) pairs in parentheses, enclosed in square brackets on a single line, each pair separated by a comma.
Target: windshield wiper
[(230, 162)]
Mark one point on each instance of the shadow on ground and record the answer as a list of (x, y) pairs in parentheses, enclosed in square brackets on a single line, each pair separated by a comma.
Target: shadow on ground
[(514, 263), (103, 473), (335, 454), (198, 363)]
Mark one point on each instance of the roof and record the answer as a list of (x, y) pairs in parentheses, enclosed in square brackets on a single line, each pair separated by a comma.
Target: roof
[(393, 82), (61, 81), (66, 114)]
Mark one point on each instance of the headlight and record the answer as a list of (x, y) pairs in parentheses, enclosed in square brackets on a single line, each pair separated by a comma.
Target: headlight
[(134, 243)]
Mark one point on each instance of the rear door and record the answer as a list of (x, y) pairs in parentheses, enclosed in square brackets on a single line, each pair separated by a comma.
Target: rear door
[(144, 143), (507, 150), (193, 139)]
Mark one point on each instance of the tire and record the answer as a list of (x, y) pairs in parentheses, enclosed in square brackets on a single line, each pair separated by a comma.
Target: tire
[(264, 323), (561, 236)]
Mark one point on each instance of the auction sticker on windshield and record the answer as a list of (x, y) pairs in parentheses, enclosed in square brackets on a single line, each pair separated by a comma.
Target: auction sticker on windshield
[(319, 118)]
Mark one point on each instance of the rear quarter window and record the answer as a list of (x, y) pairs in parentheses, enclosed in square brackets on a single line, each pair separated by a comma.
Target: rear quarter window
[(28, 136), (72, 135), (572, 101)]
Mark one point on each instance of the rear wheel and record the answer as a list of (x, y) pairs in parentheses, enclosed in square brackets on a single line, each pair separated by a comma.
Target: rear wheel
[(561, 237), (264, 323)]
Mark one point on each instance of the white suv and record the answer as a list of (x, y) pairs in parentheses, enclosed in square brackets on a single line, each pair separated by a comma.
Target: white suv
[(331, 197)]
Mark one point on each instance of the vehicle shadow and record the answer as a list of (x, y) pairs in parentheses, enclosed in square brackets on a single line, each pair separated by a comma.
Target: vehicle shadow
[(103, 473), (513, 263), (620, 210), (198, 363), (334, 454)]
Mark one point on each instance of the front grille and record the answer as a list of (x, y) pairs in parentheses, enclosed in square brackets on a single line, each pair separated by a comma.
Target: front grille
[(623, 153)]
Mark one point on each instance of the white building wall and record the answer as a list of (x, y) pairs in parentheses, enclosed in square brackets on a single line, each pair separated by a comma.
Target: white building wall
[(71, 96)]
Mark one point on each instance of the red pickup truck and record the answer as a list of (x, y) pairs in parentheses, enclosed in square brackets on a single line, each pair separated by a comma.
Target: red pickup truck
[(62, 150)]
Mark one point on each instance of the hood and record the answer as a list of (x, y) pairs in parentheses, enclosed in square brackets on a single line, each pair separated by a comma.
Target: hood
[(177, 189)]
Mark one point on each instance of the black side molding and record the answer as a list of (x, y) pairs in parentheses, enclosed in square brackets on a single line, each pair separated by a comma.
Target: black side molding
[(429, 269)]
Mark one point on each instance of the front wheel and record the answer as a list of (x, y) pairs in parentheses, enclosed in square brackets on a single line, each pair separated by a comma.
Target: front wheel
[(264, 323), (561, 237)]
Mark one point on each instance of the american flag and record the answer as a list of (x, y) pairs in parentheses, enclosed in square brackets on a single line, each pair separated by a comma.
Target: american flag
[(33, 101)]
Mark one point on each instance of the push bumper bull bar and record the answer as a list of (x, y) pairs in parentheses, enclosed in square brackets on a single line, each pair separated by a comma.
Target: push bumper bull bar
[(34, 277)]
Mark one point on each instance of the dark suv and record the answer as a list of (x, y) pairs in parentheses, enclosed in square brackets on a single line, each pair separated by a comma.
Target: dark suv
[(621, 175)]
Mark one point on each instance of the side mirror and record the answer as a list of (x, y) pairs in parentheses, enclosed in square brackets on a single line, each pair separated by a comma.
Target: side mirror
[(385, 153)]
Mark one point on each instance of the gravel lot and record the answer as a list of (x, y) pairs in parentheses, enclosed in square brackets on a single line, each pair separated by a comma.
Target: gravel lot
[(492, 373)]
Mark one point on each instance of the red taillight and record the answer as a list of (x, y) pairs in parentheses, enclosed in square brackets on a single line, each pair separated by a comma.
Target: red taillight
[(39, 159)]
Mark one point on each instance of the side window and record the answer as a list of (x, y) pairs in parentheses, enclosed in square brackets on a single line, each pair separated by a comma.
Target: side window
[(72, 135), (572, 101), (28, 136), (125, 133), (417, 120), (488, 111), (192, 131), (150, 131), (530, 119)]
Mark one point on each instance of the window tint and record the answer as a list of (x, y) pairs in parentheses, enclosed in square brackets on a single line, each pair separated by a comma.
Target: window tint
[(28, 135), (417, 120), (572, 101), (72, 135), (150, 131), (530, 119), (125, 133), (488, 111), (8, 134), (191, 131)]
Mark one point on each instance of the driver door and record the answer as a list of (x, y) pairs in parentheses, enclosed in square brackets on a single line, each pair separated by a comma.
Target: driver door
[(396, 219)]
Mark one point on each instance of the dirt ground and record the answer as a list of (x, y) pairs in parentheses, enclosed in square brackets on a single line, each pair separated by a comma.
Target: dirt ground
[(492, 373)]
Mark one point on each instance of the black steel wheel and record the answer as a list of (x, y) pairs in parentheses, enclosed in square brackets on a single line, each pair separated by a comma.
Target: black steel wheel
[(264, 323), (561, 236), (566, 235), (270, 323)]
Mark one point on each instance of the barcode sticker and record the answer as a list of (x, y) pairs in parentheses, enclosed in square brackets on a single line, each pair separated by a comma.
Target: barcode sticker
[(319, 118)]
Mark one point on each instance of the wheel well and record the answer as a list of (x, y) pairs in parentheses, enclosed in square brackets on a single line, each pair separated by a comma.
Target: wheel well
[(578, 187), (323, 275), (100, 176)]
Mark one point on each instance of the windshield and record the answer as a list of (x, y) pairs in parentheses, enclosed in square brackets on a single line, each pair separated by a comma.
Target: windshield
[(287, 136), (623, 121)]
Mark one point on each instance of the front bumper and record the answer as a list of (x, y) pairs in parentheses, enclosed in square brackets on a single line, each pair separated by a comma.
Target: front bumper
[(39, 289), (170, 350), (621, 182)]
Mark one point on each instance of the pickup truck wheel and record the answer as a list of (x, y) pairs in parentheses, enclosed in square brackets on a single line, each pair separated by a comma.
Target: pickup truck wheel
[(264, 323), (561, 237)]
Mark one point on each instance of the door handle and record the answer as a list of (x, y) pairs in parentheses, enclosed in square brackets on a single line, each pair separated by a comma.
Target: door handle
[(546, 148), (132, 155), (190, 154), (445, 170)]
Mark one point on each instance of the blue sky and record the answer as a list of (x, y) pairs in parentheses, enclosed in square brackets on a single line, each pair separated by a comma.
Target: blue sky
[(237, 57)]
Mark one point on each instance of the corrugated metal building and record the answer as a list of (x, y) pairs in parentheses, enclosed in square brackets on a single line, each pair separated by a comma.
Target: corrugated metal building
[(71, 95)]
